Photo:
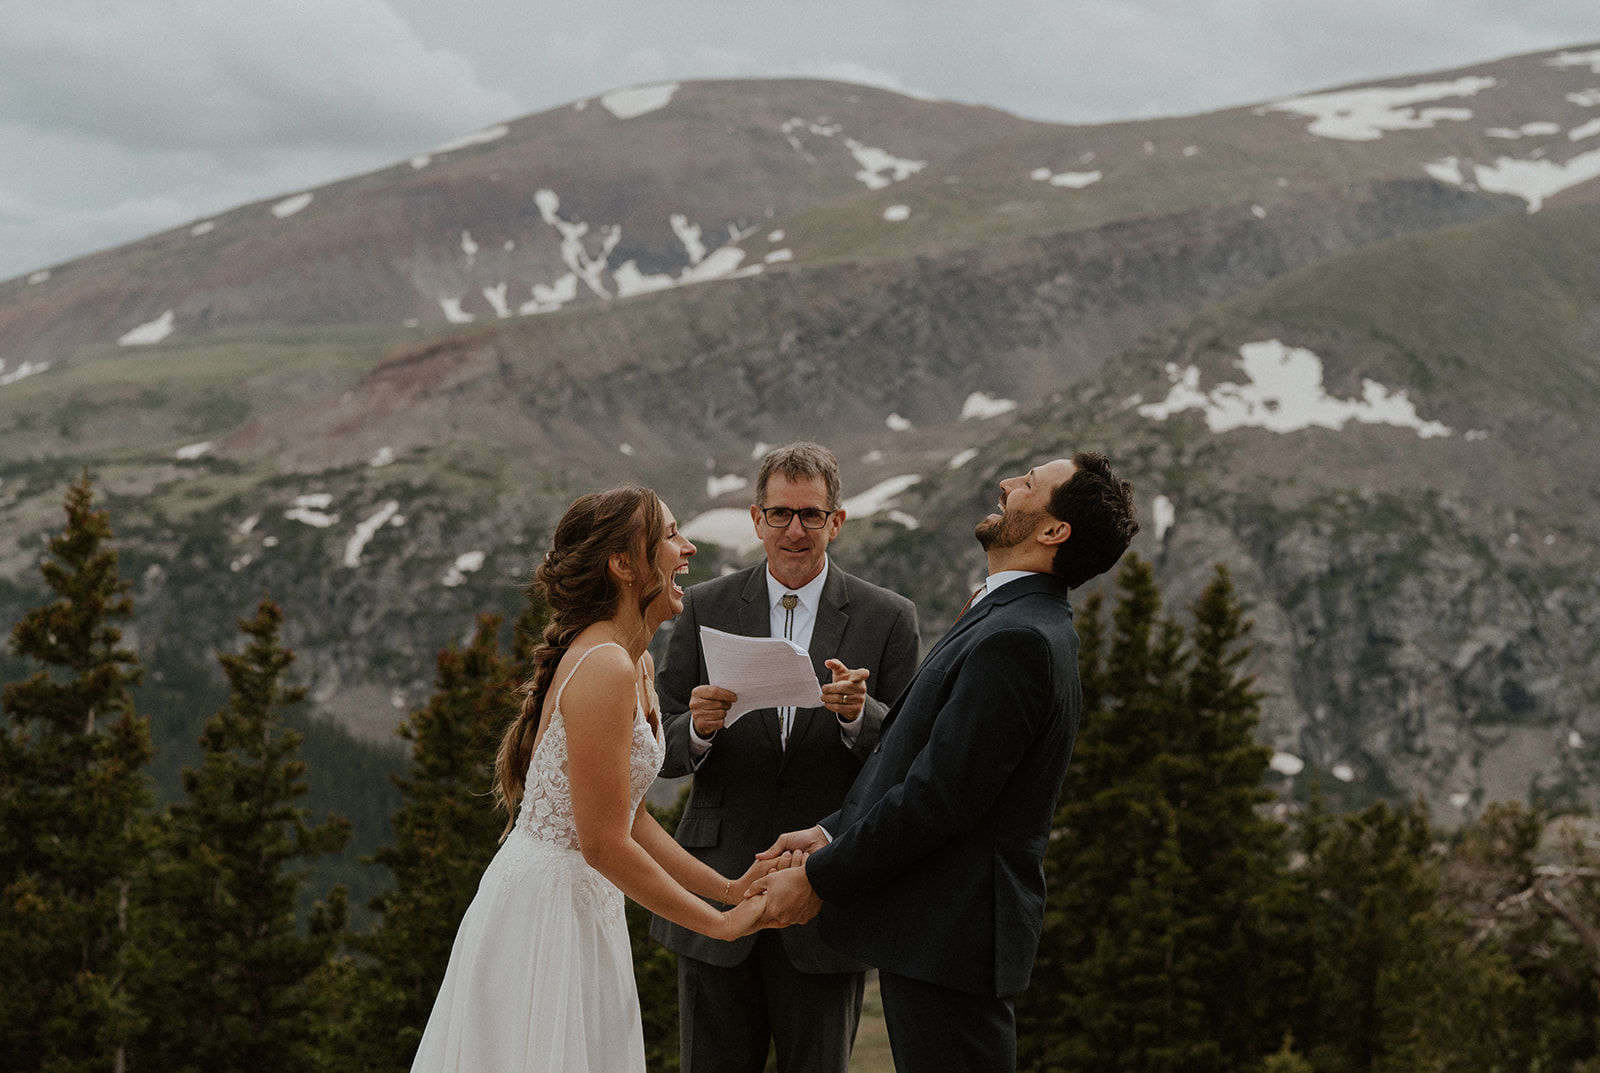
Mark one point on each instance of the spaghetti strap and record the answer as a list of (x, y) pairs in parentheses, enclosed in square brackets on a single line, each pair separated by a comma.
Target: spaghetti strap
[(575, 666)]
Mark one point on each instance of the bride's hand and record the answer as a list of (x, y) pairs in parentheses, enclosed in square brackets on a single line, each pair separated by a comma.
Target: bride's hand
[(739, 889), (744, 918)]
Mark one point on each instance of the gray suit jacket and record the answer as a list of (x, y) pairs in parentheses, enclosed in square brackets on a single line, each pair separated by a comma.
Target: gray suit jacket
[(749, 789)]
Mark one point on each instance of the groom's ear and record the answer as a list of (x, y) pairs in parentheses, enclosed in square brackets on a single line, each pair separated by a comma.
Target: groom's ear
[(1056, 533)]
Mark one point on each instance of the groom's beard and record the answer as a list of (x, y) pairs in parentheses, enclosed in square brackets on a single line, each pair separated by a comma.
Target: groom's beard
[(1008, 530)]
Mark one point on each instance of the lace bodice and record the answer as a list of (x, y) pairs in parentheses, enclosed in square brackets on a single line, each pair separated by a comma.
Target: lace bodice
[(545, 814)]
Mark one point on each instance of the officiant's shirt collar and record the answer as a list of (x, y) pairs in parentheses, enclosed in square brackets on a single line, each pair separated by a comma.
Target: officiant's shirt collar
[(810, 593)]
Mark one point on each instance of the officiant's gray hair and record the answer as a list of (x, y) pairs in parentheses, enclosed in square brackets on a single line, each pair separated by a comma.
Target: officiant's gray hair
[(801, 461)]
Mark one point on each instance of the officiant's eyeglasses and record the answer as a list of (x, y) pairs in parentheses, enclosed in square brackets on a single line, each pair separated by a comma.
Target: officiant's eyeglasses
[(810, 517)]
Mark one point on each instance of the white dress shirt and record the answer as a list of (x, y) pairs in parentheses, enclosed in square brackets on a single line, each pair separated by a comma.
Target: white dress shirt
[(995, 580)]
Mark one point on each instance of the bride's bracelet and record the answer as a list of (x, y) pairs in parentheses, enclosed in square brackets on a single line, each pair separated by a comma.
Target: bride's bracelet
[(727, 888)]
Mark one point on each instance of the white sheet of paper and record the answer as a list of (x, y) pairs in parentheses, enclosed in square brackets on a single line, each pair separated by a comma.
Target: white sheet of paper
[(766, 672)]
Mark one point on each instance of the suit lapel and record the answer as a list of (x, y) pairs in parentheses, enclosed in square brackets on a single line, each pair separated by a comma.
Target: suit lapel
[(963, 624), (967, 621), (755, 620), (975, 615), (827, 631)]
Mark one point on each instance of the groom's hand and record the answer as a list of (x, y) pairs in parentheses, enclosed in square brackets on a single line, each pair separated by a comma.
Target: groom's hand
[(790, 899), (744, 886), (808, 841)]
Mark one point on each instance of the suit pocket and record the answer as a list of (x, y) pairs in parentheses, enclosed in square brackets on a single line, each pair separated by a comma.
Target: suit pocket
[(699, 832)]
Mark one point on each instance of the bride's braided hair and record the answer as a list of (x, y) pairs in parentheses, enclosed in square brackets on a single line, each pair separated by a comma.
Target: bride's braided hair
[(579, 591)]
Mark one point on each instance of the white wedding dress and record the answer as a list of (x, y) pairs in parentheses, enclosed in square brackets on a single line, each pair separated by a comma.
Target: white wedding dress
[(541, 974)]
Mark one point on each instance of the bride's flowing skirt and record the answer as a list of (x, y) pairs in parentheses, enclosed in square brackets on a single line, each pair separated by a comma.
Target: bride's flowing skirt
[(541, 974)]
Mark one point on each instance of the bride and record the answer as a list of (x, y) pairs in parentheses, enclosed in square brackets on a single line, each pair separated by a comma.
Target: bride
[(541, 974)]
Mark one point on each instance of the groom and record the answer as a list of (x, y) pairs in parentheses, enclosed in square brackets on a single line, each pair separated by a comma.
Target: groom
[(934, 869)]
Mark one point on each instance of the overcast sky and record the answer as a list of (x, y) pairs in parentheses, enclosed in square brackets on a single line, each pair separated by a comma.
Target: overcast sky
[(123, 117)]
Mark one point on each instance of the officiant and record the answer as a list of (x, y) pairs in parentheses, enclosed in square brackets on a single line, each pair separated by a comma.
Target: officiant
[(777, 769)]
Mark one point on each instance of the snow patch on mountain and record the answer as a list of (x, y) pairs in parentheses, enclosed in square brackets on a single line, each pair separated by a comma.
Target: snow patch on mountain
[(688, 234), (879, 497), (981, 405), (1164, 514), (291, 205), (477, 137), (1284, 393), (880, 168), (312, 509), (466, 563), (549, 298), (726, 527), (366, 530), (1590, 60), (717, 487), (1072, 180), (636, 101), (961, 458), (451, 307), (574, 253), (1527, 130), (148, 333), (1533, 180), (21, 372), (1362, 115)]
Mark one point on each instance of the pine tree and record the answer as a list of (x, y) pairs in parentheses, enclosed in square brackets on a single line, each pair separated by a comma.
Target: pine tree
[(1396, 985), (1541, 911), (446, 832), (1237, 853), (74, 811), (235, 987), (1160, 855)]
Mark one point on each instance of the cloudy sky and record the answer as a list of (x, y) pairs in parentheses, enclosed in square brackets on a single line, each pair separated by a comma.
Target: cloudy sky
[(123, 117)]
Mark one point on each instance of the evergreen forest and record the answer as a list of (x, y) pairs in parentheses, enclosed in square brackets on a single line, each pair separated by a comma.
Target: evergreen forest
[(1200, 918)]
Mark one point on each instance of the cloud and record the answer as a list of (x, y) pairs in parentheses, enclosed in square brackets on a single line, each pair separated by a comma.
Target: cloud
[(854, 71), (1103, 60), (169, 74), (143, 114), (30, 234)]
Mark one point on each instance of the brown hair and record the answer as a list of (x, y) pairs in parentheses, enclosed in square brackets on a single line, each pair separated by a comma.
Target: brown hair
[(580, 591), (801, 461), (1099, 506)]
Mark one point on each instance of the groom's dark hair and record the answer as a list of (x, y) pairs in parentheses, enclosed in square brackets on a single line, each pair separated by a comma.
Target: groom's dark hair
[(1099, 506)]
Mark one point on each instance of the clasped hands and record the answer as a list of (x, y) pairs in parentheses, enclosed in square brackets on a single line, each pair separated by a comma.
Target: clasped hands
[(778, 878), (845, 696)]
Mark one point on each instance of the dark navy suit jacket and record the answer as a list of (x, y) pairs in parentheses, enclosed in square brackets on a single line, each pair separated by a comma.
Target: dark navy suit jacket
[(935, 870)]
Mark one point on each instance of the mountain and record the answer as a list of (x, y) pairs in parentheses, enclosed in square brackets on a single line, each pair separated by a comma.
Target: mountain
[(1345, 342)]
